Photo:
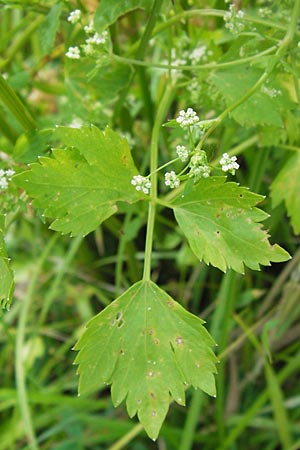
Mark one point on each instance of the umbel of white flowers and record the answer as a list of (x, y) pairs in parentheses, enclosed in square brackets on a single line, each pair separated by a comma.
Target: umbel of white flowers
[(141, 183), (187, 118), (5, 177), (229, 164), (74, 16)]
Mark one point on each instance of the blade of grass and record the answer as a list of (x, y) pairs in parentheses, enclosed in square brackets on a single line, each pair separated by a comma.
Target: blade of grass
[(15, 106), (20, 341)]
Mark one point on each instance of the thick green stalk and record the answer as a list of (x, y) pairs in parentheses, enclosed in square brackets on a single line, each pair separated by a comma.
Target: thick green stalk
[(15, 106), (161, 113), (20, 341)]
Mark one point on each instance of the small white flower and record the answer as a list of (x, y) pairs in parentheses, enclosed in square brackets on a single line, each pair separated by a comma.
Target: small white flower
[(182, 152), (231, 18), (198, 166), (9, 173), (74, 16), (171, 179), (187, 118), (229, 164), (89, 29), (141, 183), (98, 38), (200, 172), (198, 53), (73, 53), (3, 183)]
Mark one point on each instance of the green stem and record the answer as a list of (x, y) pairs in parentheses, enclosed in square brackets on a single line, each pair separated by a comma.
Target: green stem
[(121, 443), (212, 13), (208, 66), (20, 341), (161, 112), (15, 106)]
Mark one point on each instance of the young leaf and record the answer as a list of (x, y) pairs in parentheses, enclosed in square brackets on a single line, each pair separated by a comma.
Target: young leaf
[(108, 11), (286, 187), (6, 274), (48, 29), (148, 348), (220, 222), (80, 186)]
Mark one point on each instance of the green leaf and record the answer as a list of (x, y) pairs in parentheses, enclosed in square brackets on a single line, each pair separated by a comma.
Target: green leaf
[(220, 222), (6, 274), (259, 108), (31, 145), (286, 187), (108, 11), (81, 185), (148, 348), (47, 31)]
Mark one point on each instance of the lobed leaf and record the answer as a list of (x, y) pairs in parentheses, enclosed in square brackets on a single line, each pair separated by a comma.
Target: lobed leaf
[(6, 273), (148, 348), (259, 108), (79, 187), (222, 226), (286, 187)]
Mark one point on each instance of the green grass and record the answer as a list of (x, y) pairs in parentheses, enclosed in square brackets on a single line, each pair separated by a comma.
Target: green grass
[(61, 282)]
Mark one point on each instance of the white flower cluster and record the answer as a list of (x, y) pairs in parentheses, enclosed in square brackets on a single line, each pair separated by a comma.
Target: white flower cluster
[(198, 53), (97, 38), (171, 179), (182, 152), (5, 177), (232, 19), (91, 41), (198, 166), (89, 29), (74, 16), (141, 183), (73, 53), (229, 164), (187, 118)]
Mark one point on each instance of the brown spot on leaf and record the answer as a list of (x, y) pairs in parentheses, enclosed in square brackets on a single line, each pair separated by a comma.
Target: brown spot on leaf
[(124, 160)]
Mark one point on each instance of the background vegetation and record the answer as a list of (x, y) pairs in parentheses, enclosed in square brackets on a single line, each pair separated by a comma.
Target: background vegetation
[(61, 282)]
